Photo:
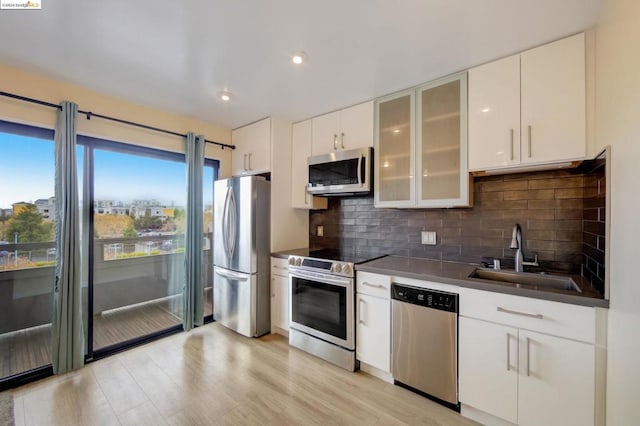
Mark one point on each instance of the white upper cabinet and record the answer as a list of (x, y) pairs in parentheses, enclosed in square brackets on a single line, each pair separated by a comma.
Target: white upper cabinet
[(394, 184), (494, 114), (349, 128), (441, 143), (529, 108), (300, 152), (553, 101), (421, 146), (253, 148), (325, 133)]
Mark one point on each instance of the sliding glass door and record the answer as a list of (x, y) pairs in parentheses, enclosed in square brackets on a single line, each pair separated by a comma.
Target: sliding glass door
[(138, 220), (132, 210), (27, 248), (209, 176)]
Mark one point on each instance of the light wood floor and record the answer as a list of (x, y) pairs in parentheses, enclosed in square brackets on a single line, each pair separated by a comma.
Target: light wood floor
[(214, 376)]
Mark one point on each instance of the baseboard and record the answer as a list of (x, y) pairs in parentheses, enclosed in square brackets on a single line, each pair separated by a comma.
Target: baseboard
[(376, 372), (280, 331), (482, 417)]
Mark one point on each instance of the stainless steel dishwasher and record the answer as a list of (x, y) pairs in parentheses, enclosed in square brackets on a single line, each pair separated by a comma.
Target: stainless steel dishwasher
[(425, 342)]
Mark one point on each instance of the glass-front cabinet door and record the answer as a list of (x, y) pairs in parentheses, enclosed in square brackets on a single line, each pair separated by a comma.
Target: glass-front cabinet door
[(421, 146), (441, 156), (394, 184)]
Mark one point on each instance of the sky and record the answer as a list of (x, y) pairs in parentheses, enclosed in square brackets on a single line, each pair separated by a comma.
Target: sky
[(27, 174)]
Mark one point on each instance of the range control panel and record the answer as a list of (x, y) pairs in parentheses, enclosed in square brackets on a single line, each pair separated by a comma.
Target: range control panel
[(424, 297)]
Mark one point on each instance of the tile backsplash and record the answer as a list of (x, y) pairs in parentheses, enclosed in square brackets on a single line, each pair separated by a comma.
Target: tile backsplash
[(593, 228), (554, 209)]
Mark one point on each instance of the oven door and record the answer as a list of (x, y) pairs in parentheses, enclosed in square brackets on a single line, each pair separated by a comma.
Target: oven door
[(322, 305)]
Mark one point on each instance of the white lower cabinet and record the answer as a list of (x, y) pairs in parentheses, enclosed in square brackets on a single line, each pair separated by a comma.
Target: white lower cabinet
[(279, 296), (522, 376), (373, 324), (488, 371), (373, 331), (557, 381)]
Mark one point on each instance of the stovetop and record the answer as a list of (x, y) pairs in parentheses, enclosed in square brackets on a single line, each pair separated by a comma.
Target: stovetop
[(340, 256)]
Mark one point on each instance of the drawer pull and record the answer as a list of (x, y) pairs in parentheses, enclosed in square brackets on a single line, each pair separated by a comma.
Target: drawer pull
[(372, 285), (524, 314)]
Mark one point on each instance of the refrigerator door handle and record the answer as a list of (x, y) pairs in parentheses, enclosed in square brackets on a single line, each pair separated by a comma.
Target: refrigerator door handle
[(231, 275), (232, 223), (225, 223)]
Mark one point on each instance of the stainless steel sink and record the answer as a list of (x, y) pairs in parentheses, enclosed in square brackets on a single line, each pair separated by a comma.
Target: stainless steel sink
[(527, 279)]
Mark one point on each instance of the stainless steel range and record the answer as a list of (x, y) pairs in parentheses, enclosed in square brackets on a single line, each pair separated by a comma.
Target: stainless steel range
[(322, 305)]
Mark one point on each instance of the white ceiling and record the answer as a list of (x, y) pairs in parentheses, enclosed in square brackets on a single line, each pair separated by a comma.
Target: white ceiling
[(177, 55)]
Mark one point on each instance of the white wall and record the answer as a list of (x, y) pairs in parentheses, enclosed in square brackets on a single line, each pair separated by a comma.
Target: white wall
[(24, 83), (618, 124)]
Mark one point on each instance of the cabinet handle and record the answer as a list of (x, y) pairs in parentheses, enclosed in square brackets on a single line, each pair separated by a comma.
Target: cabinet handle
[(524, 314), (244, 162), (372, 285), (529, 134), (335, 141), (511, 132), (342, 140), (508, 352), (250, 162), (528, 344), (360, 303), (306, 195)]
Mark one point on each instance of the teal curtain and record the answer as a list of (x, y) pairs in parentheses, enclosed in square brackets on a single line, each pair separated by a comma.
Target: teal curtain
[(67, 336), (193, 294)]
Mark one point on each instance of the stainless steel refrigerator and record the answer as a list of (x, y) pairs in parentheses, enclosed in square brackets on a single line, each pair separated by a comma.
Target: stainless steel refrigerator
[(241, 254)]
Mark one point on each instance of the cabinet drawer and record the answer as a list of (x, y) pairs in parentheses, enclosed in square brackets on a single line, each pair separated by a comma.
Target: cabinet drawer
[(559, 319), (373, 284), (279, 266)]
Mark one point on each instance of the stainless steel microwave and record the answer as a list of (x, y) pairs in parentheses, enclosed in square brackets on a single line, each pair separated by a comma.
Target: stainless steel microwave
[(341, 173)]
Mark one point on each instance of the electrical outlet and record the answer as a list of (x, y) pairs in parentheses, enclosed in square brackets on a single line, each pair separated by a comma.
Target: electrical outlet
[(320, 231), (429, 238)]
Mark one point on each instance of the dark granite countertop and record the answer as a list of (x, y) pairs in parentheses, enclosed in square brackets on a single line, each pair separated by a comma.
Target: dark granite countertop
[(458, 274), (293, 252)]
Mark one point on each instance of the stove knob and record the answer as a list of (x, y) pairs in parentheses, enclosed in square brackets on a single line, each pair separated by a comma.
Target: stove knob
[(298, 261), (292, 260), (346, 269), (336, 267)]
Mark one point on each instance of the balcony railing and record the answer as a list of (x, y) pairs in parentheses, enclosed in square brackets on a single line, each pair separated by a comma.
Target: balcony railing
[(138, 270)]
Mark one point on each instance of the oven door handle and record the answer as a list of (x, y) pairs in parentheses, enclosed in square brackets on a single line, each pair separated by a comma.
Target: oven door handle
[(321, 278)]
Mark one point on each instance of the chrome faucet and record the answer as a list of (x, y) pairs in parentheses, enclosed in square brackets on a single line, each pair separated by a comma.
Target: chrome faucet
[(516, 243)]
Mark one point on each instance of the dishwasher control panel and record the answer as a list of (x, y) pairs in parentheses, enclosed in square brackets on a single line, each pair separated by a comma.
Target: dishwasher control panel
[(425, 297)]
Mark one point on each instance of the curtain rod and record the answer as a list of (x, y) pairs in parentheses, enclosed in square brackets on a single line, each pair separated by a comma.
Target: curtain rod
[(89, 114)]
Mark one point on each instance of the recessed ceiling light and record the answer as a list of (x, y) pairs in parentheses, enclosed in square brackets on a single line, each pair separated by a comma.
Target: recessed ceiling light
[(486, 109), (225, 96), (298, 58), (396, 131)]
